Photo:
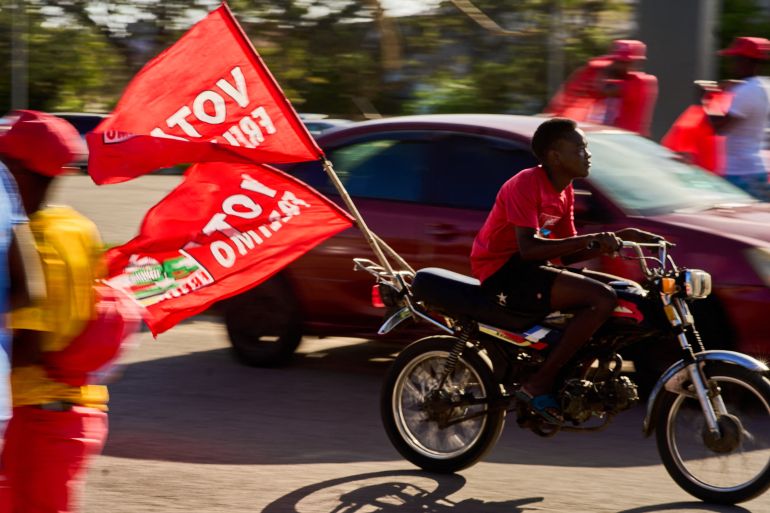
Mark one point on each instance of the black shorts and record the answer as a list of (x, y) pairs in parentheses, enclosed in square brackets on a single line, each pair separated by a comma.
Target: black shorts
[(523, 286)]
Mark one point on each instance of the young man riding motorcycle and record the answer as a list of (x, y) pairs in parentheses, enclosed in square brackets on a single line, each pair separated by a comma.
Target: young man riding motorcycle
[(532, 223)]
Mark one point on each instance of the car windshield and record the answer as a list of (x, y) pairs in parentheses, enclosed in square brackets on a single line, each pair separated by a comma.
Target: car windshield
[(646, 178)]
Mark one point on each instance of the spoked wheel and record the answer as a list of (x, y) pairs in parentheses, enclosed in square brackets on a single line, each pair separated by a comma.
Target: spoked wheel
[(447, 429), (726, 469)]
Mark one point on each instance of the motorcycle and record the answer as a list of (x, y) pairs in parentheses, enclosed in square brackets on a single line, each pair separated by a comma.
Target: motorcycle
[(445, 398)]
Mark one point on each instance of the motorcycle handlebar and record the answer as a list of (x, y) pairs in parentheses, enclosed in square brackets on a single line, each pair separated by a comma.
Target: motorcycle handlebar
[(659, 244), (662, 246)]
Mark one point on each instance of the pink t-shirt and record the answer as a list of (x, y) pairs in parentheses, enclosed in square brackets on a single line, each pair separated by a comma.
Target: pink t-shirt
[(527, 200)]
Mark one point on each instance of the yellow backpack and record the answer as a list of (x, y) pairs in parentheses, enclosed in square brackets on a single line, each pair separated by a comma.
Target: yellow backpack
[(70, 251)]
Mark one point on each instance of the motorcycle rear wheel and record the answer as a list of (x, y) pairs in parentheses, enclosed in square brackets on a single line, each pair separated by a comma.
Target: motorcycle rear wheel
[(409, 405), (734, 468)]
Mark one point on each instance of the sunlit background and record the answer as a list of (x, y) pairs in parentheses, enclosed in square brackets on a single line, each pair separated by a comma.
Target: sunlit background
[(343, 58)]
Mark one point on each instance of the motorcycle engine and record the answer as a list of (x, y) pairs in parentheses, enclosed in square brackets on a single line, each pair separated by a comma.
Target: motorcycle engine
[(580, 399), (618, 394)]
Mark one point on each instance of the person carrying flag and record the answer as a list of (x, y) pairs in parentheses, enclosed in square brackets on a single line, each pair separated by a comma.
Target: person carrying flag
[(63, 340), (611, 90)]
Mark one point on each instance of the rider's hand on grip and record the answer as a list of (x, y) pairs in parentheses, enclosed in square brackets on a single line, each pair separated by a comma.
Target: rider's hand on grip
[(606, 242)]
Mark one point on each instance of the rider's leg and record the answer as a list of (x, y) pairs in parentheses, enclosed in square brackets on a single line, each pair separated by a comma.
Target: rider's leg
[(592, 303)]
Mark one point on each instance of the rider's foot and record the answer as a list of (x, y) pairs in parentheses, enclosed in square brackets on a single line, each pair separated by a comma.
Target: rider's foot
[(545, 405)]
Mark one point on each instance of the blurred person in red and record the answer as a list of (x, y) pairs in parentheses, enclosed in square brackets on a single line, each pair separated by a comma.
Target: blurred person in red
[(611, 90), (744, 123), (63, 341), (693, 137)]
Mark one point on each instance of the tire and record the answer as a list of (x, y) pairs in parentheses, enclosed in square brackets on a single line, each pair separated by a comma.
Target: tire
[(420, 439), (264, 324), (742, 462)]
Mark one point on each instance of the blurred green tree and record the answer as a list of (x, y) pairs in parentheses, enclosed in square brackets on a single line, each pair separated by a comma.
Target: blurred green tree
[(68, 69), (339, 57)]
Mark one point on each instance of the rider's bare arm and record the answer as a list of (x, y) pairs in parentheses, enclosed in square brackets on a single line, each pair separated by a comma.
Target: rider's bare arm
[(578, 248), (534, 247)]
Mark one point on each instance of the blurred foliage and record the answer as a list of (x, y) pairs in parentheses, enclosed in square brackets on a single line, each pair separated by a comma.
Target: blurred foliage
[(339, 57)]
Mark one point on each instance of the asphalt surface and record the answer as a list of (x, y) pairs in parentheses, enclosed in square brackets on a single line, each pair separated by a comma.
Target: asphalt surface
[(192, 430)]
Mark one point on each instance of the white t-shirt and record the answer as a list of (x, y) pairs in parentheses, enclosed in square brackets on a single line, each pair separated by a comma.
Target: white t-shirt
[(744, 137)]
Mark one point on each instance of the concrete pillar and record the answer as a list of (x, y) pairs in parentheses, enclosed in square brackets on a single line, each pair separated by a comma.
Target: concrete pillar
[(681, 47)]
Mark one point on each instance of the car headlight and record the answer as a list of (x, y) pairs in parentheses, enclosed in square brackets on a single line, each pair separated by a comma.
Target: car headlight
[(697, 283), (759, 258)]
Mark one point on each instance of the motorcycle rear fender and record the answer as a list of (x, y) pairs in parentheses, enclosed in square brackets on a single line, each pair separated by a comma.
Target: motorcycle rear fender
[(731, 357), (394, 320)]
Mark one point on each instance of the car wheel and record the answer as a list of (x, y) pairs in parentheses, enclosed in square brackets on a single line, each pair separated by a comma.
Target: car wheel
[(264, 324)]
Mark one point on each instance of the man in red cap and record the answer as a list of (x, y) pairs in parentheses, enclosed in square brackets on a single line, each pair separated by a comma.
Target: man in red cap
[(59, 412), (611, 90), (745, 121)]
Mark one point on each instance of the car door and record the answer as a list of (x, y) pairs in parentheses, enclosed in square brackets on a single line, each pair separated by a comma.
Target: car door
[(463, 187), (385, 175)]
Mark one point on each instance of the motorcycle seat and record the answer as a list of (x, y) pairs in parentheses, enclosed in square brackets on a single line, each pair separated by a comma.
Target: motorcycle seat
[(458, 295)]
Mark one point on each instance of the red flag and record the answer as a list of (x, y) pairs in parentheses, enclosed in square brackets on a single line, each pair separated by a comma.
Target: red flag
[(207, 98), (692, 133), (225, 229)]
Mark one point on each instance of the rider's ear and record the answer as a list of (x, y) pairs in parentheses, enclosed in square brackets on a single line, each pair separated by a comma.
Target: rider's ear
[(552, 156)]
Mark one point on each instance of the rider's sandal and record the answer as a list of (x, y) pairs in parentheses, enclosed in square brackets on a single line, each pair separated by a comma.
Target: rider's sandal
[(544, 405)]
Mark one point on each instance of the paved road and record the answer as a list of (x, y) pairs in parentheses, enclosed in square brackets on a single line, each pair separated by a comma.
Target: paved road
[(191, 430)]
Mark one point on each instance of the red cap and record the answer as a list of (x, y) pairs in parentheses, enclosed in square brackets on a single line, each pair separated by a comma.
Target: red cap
[(628, 50), (751, 47), (41, 142)]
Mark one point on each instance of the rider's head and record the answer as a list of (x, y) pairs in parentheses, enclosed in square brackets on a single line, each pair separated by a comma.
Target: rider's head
[(561, 146)]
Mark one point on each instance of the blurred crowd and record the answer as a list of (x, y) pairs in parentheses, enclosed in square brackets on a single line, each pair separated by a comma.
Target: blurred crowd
[(723, 132)]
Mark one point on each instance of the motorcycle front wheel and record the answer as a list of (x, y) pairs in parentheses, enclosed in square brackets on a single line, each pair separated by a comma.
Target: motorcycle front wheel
[(441, 430), (733, 467)]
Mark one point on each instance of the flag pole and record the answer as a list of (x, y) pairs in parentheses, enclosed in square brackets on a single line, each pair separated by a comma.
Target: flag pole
[(371, 239), (392, 252), (374, 242)]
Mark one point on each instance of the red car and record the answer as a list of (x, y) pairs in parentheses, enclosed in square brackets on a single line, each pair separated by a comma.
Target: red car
[(424, 184)]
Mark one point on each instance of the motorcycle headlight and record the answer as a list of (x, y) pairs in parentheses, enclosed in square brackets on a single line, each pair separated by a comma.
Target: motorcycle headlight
[(759, 258), (697, 283)]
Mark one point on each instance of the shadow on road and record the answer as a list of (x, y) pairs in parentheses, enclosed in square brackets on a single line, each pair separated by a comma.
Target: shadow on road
[(393, 491), (202, 407), (687, 506)]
